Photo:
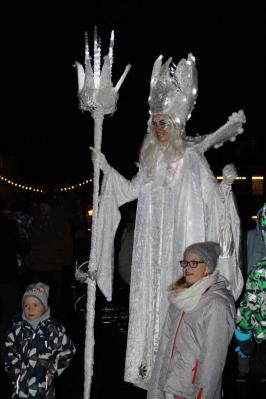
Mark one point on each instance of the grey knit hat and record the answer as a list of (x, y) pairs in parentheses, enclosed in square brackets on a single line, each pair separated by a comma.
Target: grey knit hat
[(40, 291), (208, 251)]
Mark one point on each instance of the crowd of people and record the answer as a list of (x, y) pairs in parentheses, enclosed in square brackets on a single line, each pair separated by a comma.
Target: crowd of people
[(202, 311), (187, 299)]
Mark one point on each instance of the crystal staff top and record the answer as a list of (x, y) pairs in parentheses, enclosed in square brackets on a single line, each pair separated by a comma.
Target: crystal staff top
[(95, 88)]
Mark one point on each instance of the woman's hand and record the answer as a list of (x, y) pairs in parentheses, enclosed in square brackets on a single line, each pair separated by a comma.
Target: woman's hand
[(98, 155), (229, 174)]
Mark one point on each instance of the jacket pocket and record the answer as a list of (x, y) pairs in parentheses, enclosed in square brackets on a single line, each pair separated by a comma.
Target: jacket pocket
[(195, 371)]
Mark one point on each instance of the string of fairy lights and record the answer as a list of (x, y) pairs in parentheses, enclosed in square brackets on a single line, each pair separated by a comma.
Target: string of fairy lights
[(27, 187), (78, 185), (83, 183)]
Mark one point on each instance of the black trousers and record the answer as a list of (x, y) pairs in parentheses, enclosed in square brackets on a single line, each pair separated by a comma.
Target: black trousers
[(257, 362)]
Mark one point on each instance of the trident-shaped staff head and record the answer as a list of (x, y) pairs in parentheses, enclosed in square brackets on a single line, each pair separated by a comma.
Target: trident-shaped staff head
[(95, 88)]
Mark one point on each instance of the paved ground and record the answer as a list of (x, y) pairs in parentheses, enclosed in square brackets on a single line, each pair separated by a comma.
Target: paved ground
[(110, 336)]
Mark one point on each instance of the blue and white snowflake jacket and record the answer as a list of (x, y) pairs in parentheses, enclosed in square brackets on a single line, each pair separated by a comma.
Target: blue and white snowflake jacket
[(32, 355)]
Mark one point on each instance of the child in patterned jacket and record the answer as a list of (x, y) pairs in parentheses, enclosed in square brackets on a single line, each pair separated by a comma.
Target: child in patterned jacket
[(37, 349)]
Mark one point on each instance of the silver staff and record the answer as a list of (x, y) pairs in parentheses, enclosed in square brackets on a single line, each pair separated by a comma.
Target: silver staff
[(98, 96)]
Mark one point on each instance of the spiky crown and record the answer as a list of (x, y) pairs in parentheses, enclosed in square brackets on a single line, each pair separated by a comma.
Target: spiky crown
[(173, 89)]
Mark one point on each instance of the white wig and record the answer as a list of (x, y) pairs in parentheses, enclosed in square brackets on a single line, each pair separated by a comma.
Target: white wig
[(151, 148)]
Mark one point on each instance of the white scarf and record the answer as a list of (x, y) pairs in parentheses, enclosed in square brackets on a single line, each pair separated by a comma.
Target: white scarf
[(187, 298)]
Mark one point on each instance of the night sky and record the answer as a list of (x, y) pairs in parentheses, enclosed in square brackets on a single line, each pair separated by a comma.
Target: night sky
[(42, 124)]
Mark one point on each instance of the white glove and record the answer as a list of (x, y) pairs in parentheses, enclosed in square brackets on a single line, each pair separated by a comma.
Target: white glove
[(100, 157), (229, 174)]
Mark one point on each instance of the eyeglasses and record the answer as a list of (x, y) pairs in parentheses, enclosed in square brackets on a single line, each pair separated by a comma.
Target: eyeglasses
[(161, 123), (191, 263)]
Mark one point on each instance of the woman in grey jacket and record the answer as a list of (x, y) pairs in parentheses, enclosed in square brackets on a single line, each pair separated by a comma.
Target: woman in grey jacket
[(198, 328)]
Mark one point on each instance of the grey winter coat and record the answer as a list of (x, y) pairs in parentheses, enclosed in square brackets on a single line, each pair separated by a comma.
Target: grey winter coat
[(193, 346)]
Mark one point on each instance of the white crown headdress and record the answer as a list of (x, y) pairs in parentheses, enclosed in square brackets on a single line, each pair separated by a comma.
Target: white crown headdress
[(173, 89)]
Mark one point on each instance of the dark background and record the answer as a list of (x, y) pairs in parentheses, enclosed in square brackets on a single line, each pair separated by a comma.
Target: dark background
[(49, 137)]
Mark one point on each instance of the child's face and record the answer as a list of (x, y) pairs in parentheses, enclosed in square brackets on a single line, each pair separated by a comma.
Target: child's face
[(32, 308), (192, 275)]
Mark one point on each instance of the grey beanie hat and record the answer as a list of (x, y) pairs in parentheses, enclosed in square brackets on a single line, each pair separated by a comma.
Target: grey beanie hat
[(208, 251), (40, 291)]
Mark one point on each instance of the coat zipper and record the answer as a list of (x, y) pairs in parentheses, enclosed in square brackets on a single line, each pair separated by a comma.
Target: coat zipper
[(195, 371)]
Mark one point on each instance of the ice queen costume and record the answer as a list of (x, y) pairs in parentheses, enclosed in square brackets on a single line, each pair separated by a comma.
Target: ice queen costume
[(179, 203)]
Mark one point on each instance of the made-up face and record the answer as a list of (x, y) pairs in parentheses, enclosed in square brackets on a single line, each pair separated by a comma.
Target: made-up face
[(194, 274), (161, 126), (32, 308)]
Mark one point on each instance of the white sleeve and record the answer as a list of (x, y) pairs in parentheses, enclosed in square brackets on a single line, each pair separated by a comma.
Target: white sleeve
[(228, 131), (116, 191)]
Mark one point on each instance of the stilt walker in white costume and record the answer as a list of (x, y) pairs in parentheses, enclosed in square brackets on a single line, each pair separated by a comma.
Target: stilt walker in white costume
[(179, 202)]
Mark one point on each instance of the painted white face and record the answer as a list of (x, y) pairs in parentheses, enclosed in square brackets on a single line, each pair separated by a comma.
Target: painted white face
[(194, 274), (32, 307), (161, 126)]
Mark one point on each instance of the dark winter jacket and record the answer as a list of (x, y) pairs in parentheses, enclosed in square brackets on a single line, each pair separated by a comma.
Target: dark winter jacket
[(31, 355)]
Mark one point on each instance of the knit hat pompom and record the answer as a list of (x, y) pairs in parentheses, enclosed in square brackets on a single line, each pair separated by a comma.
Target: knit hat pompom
[(39, 291), (208, 251)]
